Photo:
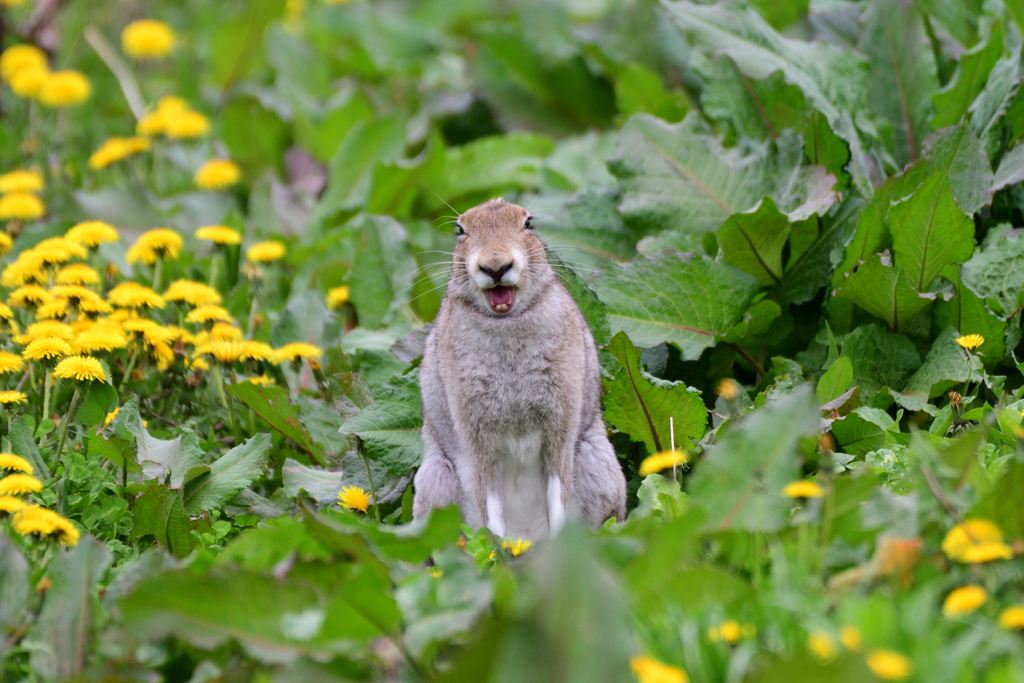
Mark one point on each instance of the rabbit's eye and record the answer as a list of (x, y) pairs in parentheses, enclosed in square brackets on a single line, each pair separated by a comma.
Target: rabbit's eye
[(529, 223), (459, 231)]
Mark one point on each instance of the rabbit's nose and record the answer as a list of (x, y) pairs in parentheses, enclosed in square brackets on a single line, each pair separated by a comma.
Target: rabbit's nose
[(497, 273)]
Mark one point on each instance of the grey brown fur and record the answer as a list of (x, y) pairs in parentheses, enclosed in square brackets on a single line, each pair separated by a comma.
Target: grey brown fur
[(512, 418)]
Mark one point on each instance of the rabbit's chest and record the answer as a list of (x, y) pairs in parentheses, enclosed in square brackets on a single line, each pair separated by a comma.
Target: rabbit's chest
[(510, 381)]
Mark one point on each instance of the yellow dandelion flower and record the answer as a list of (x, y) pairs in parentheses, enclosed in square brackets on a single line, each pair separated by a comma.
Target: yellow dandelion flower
[(65, 88), (77, 274), (225, 331), (216, 174), (81, 369), (219, 234), (5, 312), (254, 350), (207, 314), (10, 362), (116, 149), (889, 665), (802, 489), (19, 57), (47, 328), (263, 381), (48, 348), (516, 547), (297, 351), (155, 122), (147, 39), (1012, 618), (30, 82), (728, 389), (15, 463), (850, 638), (337, 297), (964, 600), (199, 364), (29, 295), (970, 341), (9, 504), (39, 521), (163, 354), (186, 124), (154, 244), (354, 498), (975, 540), (730, 631), (661, 461), (19, 485), (110, 417), (226, 351), (99, 338), (6, 243), (192, 293), (76, 294), (21, 180), (21, 206), (134, 295), (650, 670), (12, 397), (265, 252), (23, 271), (822, 646)]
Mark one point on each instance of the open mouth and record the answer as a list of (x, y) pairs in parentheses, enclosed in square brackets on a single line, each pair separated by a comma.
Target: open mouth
[(501, 298)]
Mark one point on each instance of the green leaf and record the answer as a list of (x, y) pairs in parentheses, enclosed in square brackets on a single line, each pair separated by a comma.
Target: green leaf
[(824, 148), (952, 102), (590, 305), (305, 318), (811, 269), (23, 444), (902, 74), (755, 108), (255, 136), (395, 184), (862, 430), (997, 115), (686, 300), (228, 475), (493, 164), (1000, 504), (121, 452), (638, 90), (383, 269), (15, 589), (61, 639), (945, 366), (738, 484), (413, 542), (847, 668), (159, 512), (836, 380), (641, 405), (929, 232), (321, 421), (235, 45), (274, 406), (968, 314), (1011, 169), (753, 241), (98, 399), (321, 133), (880, 359), (996, 273), (367, 142), (587, 231), (322, 485), (390, 426), (884, 291), (167, 461)]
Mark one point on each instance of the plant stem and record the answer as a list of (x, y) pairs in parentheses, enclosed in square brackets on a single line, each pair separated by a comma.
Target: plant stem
[(129, 368), (63, 436), (46, 398), (157, 272), (369, 478), (213, 269)]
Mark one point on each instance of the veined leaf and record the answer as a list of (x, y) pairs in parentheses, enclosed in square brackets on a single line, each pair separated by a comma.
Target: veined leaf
[(824, 147), (884, 291), (967, 313), (995, 274), (641, 405), (738, 484), (15, 589), (880, 359), (166, 460), (588, 231), (997, 115), (811, 269), (686, 300), (160, 512), (227, 475), (836, 380), (753, 241), (757, 109), (929, 232), (273, 405), (951, 103), (946, 365), (383, 269), (390, 426)]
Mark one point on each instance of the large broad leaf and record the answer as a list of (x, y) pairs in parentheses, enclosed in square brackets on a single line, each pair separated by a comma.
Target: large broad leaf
[(758, 109), (96, 401), (903, 75), (641, 405), (884, 291), (159, 512), (61, 638), (753, 241), (880, 359), (824, 148), (390, 426), (493, 164), (305, 318), (739, 483), (235, 46), (967, 313), (862, 430), (587, 231), (273, 405), (997, 115), (809, 271), (322, 485), (951, 103), (590, 305), (679, 176), (686, 300), (830, 77), (228, 475), (121, 452), (23, 444), (996, 274), (929, 232), (168, 461), (383, 269), (1002, 504), (15, 589), (835, 381), (945, 366)]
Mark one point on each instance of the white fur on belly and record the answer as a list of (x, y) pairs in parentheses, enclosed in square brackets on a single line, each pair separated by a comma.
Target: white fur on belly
[(524, 488)]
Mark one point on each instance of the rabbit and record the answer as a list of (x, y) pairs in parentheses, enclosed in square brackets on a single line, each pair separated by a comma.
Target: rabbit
[(511, 388)]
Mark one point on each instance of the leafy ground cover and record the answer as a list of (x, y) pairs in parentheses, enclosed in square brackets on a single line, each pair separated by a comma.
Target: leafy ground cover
[(791, 227)]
